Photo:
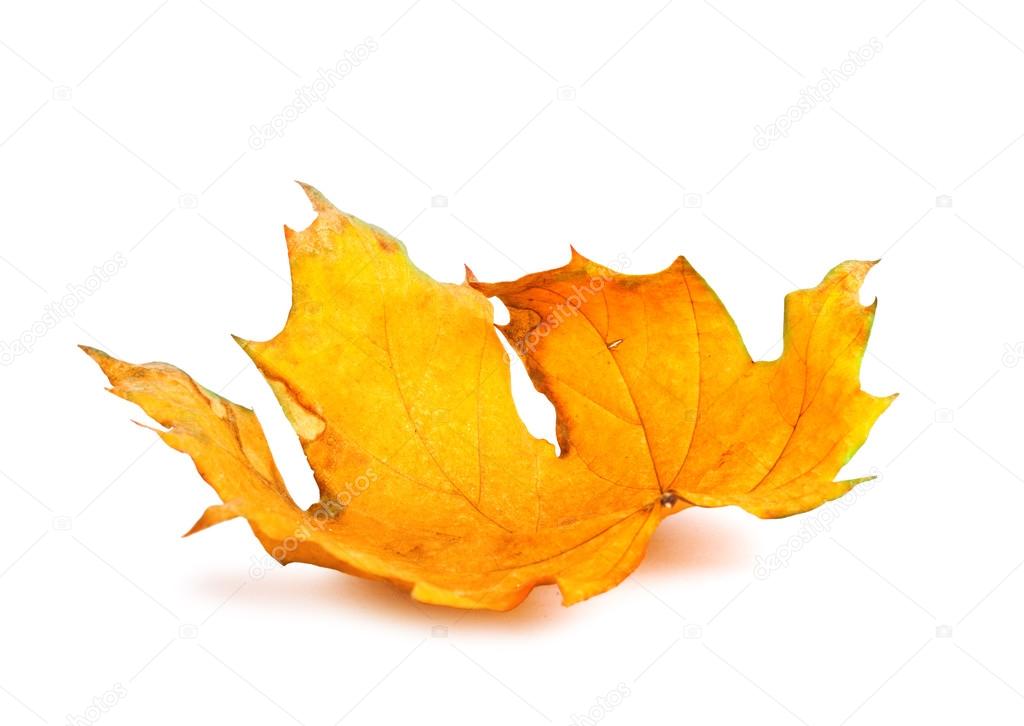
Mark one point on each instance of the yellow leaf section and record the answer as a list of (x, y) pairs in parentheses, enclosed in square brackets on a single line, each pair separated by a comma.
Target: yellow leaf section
[(399, 390), (671, 394), (225, 441)]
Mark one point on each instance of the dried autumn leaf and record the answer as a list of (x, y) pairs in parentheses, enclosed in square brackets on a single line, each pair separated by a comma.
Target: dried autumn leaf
[(399, 390)]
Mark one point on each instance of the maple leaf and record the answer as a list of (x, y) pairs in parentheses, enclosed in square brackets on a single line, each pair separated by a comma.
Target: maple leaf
[(399, 390)]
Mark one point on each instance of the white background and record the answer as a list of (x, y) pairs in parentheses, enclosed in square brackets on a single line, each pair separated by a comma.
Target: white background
[(125, 130)]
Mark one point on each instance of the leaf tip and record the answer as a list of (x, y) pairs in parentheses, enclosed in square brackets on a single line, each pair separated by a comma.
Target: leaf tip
[(316, 198), (94, 353), (575, 258), (681, 264), (138, 423), (106, 362), (215, 514)]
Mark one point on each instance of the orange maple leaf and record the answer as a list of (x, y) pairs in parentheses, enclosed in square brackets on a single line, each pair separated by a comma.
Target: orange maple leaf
[(399, 390)]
